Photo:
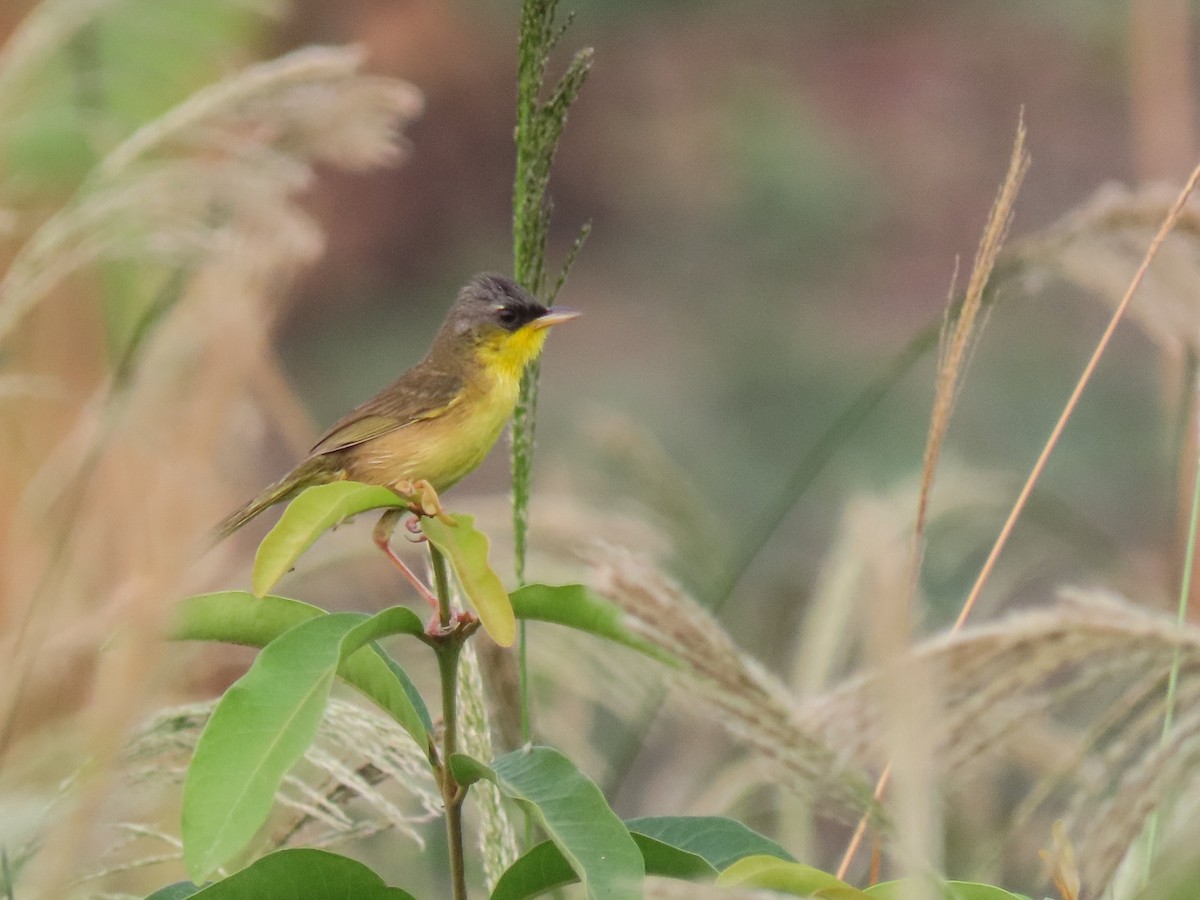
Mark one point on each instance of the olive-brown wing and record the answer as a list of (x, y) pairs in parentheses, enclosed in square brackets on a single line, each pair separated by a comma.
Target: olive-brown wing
[(417, 395)]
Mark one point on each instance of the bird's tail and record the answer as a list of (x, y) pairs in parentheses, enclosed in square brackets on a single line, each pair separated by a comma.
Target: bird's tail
[(310, 472)]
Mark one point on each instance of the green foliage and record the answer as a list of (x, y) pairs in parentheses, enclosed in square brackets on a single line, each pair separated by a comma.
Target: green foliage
[(293, 875), (306, 518), (951, 890), (569, 807), (719, 841), (267, 719), (578, 607), (467, 550), (786, 877), (261, 728), (238, 617), (800, 880), (687, 848)]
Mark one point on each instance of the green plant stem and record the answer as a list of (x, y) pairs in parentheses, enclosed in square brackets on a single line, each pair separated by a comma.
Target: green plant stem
[(528, 270), (1185, 588), (538, 128), (441, 585), (448, 647), (452, 794)]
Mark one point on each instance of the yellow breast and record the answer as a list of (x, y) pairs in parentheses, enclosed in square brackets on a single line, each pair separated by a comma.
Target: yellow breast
[(444, 449)]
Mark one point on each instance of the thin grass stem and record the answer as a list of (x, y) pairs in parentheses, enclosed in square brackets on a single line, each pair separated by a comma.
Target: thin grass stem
[(1073, 401)]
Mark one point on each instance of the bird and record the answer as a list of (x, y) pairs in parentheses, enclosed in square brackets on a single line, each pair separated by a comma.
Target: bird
[(438, 421)]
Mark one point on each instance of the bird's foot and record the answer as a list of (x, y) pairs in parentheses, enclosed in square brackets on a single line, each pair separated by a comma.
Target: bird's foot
[(413, 526), (423, 500)]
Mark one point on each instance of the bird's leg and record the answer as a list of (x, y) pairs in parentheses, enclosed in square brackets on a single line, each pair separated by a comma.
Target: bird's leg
[(383, 540)]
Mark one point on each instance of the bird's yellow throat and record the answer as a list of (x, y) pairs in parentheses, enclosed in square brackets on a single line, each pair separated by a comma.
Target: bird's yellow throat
[(505, 355)]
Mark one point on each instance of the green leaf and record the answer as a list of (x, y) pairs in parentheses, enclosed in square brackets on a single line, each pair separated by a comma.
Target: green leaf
[(299, 874), (576, 606), (467, 550), (544, 868), (306, 518), (953, 890), (688, 848), (786, 877), (663, 859), (261, 728), (719, 841), (238, 617), (572, 811), (541, 869)]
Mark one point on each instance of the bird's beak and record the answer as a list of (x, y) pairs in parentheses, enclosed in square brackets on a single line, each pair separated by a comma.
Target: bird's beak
[(555, 315)]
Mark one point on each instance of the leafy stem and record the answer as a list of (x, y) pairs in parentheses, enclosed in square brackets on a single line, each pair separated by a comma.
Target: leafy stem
[(441, 585), (448, 652), (447, 642)]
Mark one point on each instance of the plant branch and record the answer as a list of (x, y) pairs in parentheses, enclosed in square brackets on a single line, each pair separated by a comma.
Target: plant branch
[(448, 650), (441, 585)]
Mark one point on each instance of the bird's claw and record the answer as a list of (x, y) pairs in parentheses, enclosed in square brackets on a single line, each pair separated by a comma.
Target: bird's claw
[(461, 621), (413, 526)]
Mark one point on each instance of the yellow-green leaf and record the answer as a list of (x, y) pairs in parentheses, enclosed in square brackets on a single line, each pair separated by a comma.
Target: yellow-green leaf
[(467, 550), (951, 890), (794, 878), (310, 515)]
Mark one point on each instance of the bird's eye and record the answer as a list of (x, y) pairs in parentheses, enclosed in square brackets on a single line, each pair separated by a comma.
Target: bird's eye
[(507, 315)]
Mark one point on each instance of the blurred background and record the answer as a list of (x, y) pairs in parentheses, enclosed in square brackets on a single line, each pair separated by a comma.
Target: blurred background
[(782, 196)]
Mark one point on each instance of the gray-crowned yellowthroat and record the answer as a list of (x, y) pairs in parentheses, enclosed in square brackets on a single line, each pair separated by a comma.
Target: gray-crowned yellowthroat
[(439, 420)]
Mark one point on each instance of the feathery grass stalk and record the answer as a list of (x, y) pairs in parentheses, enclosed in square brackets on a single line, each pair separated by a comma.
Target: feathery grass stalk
[(1052, 441), (539, 126), (1185, 589), (957, 342), (961, 337), (496, 840)]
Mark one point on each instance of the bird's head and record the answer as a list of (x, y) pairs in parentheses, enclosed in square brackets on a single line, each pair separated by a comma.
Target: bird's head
[(501, 323)]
